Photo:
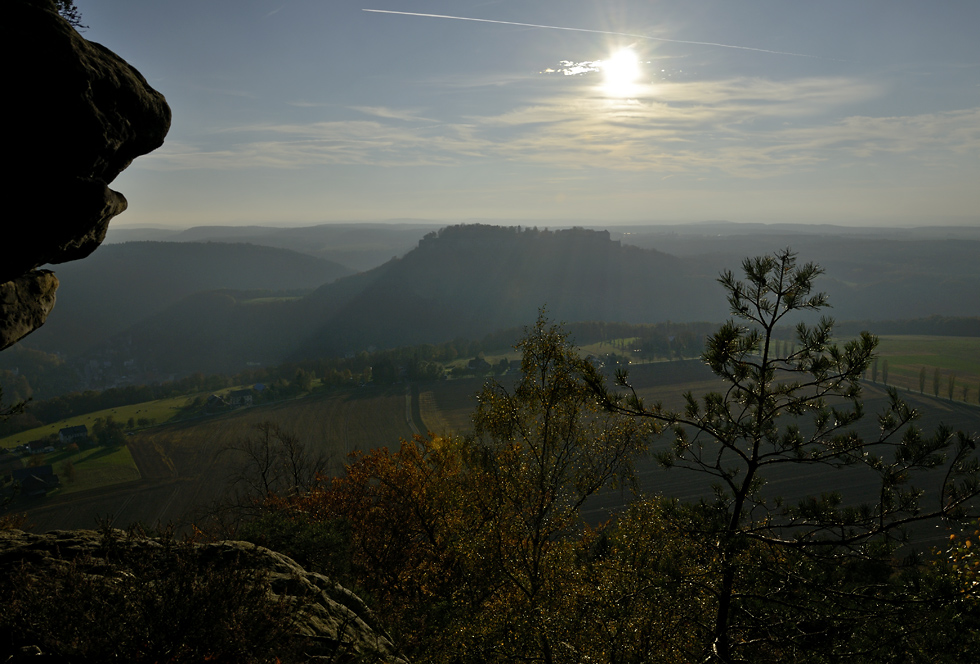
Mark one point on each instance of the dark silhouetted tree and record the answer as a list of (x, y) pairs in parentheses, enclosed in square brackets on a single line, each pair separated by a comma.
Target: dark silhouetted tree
[(792, 580), (270, 462), (108, 432), (304, 380), (70, 13)]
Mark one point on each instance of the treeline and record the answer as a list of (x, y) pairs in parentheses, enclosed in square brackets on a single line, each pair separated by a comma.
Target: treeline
[(39, 413), (27, 372), (647, 341), (417, 363), (939, 326), (423, 362)]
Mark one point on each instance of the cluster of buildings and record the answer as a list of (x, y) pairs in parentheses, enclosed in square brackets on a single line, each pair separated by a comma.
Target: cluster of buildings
[(32, 480)]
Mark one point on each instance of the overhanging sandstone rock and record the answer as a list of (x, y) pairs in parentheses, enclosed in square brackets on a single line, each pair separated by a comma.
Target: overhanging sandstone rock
[(78, 115)]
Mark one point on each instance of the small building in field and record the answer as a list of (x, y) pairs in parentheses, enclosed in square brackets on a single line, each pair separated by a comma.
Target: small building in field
[(35, 481), (240, 397), (76, 434), (36, 446)]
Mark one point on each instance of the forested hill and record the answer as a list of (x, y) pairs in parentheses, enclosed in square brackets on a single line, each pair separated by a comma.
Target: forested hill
[(871, 274), (470, 280), (361, 246), (121, 284), (462, 281)]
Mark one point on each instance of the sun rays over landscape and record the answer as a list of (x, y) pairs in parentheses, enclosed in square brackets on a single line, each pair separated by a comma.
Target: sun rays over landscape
[(465, 109), (491, 331)]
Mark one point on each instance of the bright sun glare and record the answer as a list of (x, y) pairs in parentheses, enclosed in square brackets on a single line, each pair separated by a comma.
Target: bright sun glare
[(622, 71)]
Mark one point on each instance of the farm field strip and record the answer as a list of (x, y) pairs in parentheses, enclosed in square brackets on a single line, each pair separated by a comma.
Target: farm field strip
[(160, 411), (956, 357), (447, 406), (184, 464), (93, 468)]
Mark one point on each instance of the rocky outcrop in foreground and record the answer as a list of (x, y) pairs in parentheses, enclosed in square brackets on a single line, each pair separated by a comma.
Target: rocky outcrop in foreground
[(79, 114), (84, 595)]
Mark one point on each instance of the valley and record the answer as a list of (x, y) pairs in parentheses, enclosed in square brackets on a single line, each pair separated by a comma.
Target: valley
[(184, 467)]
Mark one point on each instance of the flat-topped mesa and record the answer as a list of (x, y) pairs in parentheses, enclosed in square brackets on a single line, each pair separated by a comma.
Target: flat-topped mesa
[(468, 234), (79, 115)]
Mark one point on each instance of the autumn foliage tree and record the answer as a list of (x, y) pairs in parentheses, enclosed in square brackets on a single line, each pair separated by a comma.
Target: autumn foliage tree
[(961, 568), (540, 451), (469, 543), (407, 519)]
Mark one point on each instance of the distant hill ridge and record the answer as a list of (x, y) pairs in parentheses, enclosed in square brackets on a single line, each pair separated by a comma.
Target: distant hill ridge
[(463, 281), (361, 246), (121, 284), (470, 280)]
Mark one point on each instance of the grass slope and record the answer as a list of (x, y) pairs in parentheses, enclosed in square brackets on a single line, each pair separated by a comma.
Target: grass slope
[(94, 468), (185, 465), (159, 411)]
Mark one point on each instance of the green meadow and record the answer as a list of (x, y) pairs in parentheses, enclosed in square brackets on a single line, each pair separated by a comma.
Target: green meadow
[(945, 358), (92, 468), (159, 411)]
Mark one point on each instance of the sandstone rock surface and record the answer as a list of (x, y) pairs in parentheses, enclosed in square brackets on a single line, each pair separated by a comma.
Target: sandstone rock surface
[(26, 301), (331, 622), (79, 114)]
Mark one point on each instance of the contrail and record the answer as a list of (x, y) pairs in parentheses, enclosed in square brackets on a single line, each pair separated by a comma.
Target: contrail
[(598, 32)]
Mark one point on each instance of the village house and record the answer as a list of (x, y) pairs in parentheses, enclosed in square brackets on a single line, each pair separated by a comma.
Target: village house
[(35, 481), (75, 434)]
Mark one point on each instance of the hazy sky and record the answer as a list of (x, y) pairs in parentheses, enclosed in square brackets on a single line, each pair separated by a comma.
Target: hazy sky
[(302, 111)]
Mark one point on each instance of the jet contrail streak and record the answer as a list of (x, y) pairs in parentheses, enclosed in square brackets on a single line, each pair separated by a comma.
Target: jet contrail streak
[(599, 32)]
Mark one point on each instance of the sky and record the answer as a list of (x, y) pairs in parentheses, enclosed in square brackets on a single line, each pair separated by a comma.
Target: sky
[(292, 112)]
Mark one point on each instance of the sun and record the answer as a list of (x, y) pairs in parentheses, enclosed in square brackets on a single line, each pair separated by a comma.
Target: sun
[(622, 71)]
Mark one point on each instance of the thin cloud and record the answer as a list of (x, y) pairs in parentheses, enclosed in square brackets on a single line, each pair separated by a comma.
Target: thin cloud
[(746, 127), (571, 68), (408, 115), (311, 104)]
